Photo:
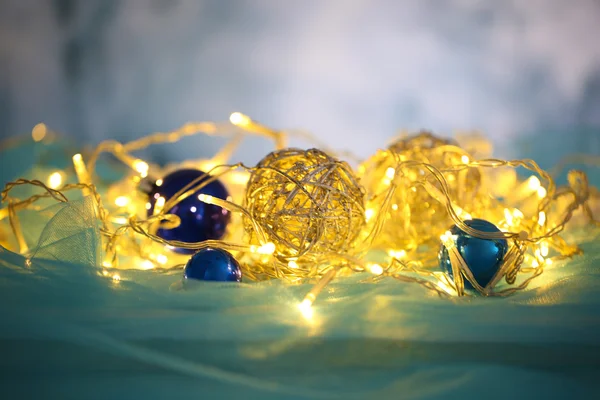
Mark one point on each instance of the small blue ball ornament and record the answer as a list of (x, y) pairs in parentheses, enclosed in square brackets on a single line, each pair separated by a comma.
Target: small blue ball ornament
[(199, 221), (212, 264), (483, 256)]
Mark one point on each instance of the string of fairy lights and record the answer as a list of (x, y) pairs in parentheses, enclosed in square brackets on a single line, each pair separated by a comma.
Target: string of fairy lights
[(423, 210)]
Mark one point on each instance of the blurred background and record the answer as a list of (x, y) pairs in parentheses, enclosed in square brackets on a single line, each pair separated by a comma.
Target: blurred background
[(352, 72)]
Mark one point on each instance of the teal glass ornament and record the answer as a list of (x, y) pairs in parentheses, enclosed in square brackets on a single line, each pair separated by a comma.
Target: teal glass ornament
[(483, 256)]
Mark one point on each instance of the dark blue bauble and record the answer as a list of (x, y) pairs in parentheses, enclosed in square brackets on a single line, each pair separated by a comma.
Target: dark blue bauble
[(482, 256), (199, 221), (213, 265)]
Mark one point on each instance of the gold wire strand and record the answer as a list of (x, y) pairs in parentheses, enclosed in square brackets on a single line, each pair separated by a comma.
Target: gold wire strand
[(307, 216)]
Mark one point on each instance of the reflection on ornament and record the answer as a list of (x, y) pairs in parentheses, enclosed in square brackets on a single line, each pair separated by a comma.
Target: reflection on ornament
[(483, 257), (415, 216), (212, 264), (306, 202), (199, 221)]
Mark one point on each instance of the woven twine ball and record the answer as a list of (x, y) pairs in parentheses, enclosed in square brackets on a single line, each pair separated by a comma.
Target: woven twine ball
[(416, 217), (307, 202)]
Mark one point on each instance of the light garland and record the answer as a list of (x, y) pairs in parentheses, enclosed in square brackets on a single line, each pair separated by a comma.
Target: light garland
[(301, 215)]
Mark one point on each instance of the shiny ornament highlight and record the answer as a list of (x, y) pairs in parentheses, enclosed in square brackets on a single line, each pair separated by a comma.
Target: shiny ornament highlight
[(483, 256), (199, 221), (211, 264)]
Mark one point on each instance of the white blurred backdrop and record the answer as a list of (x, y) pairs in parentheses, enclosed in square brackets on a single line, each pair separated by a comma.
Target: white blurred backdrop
[(353, 72)]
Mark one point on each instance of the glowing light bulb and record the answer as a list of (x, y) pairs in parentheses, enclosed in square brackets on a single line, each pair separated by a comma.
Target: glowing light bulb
[(141, 167), (541, 192), (395, 207), (267, 248), (369, 212), (376, 269), (306, 309), (54, 180), (39, 132), (205, 198), (399, 254), (193, 209), (106, 264), (160, 203), (116, 277), (122, 201), (239, 119), (534, 183), (148, 206), (292, 264), (146, 264), (541, 218), (544, 249), (159, 182), (390, 173), (465, 159), (162, 259)]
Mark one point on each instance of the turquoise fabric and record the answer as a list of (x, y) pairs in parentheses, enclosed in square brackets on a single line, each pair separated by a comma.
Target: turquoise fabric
[(67, 332)]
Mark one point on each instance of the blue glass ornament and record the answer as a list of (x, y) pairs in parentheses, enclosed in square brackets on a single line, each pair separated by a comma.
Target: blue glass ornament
[(483, 256), (199, 221), (213, 265)]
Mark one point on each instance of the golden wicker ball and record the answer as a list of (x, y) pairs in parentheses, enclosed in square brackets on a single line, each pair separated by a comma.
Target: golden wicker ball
[(307, 202)]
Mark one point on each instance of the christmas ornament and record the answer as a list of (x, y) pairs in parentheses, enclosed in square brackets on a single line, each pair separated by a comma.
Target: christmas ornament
[(211, 264), (415, 217), (199, 221), (483, 257), (306, 202)]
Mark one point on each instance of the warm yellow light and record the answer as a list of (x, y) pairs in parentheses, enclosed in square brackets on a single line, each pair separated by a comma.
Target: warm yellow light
[(206, 198), (292, 264), (399, 254), (39, 132), (122, 201), (148, 206), (106, 264), (147, 264), (544, 249), (518, 213), (306, 309), (239, 178), (541, 218), (395, 207), (369, 212), (390, 173), (162, 259), (508, 216), (465, 159), (158, 182), (116, 277), (160, 203), (534, 183), (105, 272), (267, 248), (448, 238), (54, 180), (239, 119), (120, 220), (541, 192), (376, 269), (141, 167)]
